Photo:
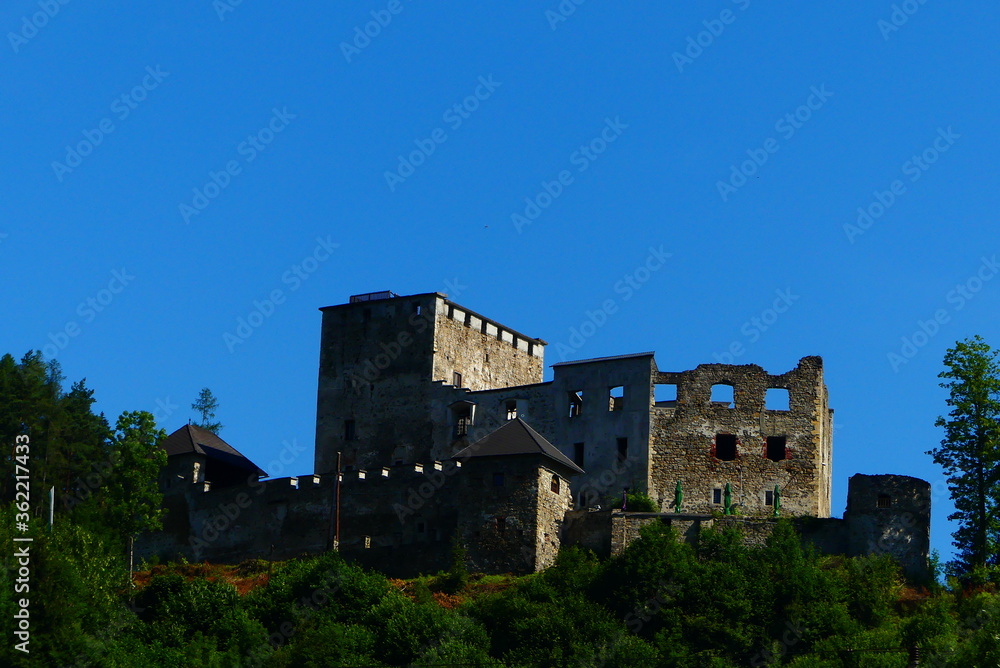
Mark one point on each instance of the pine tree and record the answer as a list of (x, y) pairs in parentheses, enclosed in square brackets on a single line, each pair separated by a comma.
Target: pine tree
[(206, 404), (970, 450)]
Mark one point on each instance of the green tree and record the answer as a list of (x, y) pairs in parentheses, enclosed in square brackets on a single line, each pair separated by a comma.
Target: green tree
[(132, 493), (206, 404), (970, 450)]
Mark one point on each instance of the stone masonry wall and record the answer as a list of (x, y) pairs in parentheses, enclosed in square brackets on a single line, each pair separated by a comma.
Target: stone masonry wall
[(486, 354), (683, 439)]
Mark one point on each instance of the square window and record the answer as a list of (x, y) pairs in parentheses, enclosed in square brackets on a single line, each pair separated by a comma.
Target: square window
[(776, 450), (725, 447), (884, 501), (723, 395)]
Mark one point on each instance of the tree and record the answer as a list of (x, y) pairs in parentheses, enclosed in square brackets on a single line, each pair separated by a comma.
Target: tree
[(132, 492), (206, 403), (970, 450)]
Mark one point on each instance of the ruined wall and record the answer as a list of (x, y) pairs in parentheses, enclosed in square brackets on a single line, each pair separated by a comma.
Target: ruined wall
[(553, 501), (685, 444), (487, 354)]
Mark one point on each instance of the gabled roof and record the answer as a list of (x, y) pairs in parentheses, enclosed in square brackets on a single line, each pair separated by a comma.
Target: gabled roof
[(193, 439), (605, 359), (516, 438)]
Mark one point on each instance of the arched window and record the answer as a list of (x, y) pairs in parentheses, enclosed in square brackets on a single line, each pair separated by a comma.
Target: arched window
[(555, 483)]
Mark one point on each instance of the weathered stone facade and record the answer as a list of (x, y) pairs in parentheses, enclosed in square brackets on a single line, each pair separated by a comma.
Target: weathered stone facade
[(410, 386)]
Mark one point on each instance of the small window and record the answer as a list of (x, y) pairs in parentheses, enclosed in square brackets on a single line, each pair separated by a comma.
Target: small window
[(349, 430), (578, 454), (416, 307), (776, 399), (725, 447), (717, 496), (463, 420), (368, 542), (723, 395), (498, 480), (511, 407), (665, 395), (776, 450), (616, 398), (769, 498), (884, 501), (622, 449), (487, 358), (555, 484), (456, 379), (575, 403), (501, 524)]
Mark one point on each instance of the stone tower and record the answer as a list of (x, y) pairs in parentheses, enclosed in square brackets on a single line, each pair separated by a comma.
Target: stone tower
[(389, 363)]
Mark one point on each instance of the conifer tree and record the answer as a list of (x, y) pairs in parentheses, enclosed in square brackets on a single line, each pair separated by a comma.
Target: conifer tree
[(206, 403)]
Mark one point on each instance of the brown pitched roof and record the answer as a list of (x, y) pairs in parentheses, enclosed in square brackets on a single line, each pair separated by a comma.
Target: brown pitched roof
[(516, 438), (193, 439)]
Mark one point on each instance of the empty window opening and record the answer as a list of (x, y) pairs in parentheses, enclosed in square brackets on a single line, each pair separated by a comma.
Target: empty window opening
[(368, 542), (717, 496), (616, 398), (456, 379), (575, 403), (723, 395), (349, 430), (578, 454), (776, 450), (487, 358), (884, 501), (769, 498), (498, 480), (416, 307), (776, 399), (665, 395), (501, 524), (725, 447), (555, 484), (622, 449), (511, 407)]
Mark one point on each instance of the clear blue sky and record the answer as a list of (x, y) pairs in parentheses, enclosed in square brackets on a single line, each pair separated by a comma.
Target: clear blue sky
[(640, 111)]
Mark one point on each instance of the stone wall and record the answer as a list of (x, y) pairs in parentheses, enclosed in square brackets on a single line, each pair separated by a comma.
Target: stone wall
[(487, 354), (686, 445), (890, 514)]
